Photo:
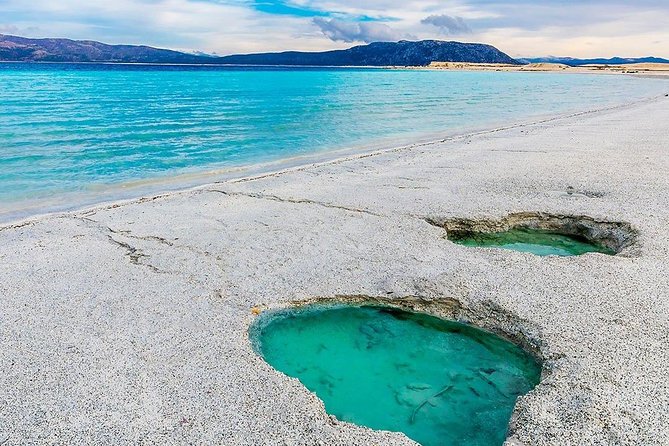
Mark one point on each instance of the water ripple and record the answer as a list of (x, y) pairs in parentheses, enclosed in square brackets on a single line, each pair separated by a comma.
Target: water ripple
[(68, 129)]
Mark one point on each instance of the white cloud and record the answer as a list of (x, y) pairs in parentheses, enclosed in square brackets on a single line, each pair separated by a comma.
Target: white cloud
[(448, 24), (348, 31), (8, 29)]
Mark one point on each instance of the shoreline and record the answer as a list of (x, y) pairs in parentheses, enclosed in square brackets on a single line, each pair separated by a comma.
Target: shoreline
[(129, 322), (150, 187), (655, 70), (632, 69)]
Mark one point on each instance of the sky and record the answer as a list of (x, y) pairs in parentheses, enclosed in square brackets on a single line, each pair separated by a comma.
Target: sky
[(521, 28)]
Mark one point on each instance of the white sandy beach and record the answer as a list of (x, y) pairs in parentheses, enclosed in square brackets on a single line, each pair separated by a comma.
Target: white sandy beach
[(646, 69), (127, 323)]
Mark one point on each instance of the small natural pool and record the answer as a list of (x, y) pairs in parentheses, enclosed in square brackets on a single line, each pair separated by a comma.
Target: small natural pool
[(535, 241), (440, 382)]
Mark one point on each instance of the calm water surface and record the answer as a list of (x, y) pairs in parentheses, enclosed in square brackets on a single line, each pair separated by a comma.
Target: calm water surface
[(440, 382), (77, 134), (537, 242)]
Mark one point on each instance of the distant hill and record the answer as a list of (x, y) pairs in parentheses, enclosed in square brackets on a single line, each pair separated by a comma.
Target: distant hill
[(403, 53), (597, 61), (21, 49)]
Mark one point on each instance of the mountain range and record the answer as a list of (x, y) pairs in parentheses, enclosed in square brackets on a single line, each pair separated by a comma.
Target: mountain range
[(22, 49), (403, 53), (596, 61)]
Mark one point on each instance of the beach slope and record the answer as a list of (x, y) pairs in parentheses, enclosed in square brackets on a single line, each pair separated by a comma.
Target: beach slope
[(127, 323)]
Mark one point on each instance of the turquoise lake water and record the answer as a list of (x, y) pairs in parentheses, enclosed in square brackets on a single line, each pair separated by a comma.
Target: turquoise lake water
[(78, 134), (440, 382), (537, 242)]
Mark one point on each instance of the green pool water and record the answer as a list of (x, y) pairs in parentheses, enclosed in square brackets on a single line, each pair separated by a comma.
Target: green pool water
[(541, 243), (439, 382)]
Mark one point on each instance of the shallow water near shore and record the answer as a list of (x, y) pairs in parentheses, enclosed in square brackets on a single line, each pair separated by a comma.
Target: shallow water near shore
[(541, 243), (439, 382), (79, 134)]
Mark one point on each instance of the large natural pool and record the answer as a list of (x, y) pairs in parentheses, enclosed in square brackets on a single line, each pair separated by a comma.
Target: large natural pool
[(440, 382)]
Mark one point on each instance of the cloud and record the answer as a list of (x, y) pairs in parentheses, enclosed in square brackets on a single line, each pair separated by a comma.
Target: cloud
[(347, 31), (448, 24), (519, 27), (8, 29)]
